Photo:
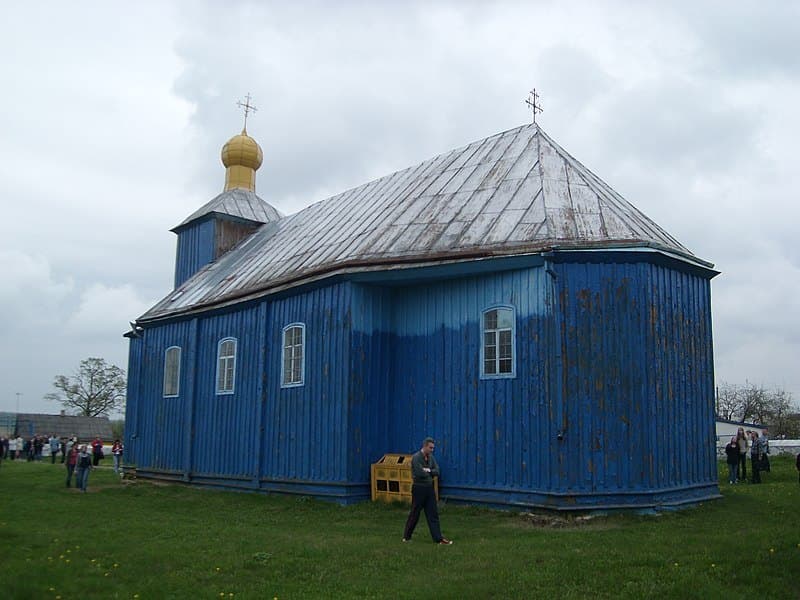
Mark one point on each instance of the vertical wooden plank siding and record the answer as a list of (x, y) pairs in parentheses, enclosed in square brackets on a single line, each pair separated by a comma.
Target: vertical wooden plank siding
[(160, 421), (639, 394), (305, 427), (225, 437), (195, 249), (133, 405), (489, 431), (611, 398)]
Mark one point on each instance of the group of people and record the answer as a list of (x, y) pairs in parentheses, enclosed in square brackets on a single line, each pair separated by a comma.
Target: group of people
[(79, 459), (18, 448), (736, 455)]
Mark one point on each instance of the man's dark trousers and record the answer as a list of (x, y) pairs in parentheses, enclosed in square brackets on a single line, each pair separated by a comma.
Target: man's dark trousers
[(756, 471), (423, 497)]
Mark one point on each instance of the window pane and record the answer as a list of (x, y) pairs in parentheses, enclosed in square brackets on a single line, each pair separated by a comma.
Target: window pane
[(505, 318), (172, 371), (292, 355), (498, 341), (226, 366), (505, 344)]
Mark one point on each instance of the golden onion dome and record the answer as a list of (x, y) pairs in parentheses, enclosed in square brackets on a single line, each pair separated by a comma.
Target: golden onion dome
[(241, 156), (242, 150)]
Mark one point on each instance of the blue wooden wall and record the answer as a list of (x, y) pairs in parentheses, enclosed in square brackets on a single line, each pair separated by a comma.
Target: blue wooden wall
[(195, 249), (614, 373)]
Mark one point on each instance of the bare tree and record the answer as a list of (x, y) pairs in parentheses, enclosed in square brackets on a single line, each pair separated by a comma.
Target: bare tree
[(729, 402), (95, 389), (751, 402)]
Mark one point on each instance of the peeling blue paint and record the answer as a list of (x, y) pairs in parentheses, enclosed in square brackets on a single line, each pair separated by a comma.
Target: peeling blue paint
[(614, 371)]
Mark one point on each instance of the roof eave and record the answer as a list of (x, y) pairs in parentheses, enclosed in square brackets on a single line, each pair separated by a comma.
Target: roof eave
[(416, 260)]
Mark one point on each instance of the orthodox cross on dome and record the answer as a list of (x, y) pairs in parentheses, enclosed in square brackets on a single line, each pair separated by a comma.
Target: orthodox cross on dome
[(533, 103), (247, 107)]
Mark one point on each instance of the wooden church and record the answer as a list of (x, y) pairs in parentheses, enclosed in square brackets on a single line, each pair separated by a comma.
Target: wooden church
[(499, 297)]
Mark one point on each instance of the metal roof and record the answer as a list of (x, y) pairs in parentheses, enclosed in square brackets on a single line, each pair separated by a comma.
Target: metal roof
[(239, 203), (512, 193)]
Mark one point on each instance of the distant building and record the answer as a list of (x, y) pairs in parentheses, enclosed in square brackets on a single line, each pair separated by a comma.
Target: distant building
[(726, 429), (8, 424), (499, 297), (86, 428)]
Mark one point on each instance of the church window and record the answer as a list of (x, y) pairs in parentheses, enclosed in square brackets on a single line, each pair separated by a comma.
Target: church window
[(172, 371), (226, 365), (293, 355), (497, 347)]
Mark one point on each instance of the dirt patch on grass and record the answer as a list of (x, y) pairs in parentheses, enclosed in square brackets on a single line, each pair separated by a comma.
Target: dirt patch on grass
[(556, 521)]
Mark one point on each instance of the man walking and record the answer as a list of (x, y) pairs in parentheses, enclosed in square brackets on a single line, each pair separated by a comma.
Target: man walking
[(55, 446), (423, 497)]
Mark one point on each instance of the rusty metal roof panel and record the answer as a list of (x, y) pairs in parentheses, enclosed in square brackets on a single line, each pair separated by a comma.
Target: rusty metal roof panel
[(236, 203), (517, 191)]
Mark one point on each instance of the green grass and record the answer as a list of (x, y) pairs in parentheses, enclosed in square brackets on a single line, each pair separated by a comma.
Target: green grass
[(162, 541)]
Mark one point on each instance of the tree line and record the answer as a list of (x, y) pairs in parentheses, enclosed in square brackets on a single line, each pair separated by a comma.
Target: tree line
[(754, 403)]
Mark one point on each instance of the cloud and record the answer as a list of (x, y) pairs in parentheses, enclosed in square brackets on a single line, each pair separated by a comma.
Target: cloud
[(688, 109), (104, 311)]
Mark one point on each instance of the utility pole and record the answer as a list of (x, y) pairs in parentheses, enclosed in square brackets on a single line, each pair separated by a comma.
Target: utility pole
[(18, 395)]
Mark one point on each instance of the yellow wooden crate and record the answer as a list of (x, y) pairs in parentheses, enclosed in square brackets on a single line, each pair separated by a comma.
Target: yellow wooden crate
[(391, 479)]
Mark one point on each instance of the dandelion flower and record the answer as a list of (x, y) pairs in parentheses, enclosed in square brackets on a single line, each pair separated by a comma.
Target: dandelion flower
[(52, 589), (713, 565), (218, 569), (94, 560), (66, 561), (61, 556), (68, 551), (676, 564), (116, 565), (106, 574), (772, 550)]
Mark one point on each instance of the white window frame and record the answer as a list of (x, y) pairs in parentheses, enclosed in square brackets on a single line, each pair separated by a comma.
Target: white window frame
[(302, 380), (222, 390), (483, 331), (177, 374)]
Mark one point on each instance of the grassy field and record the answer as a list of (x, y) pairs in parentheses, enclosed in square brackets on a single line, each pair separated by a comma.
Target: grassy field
[(140, 540)]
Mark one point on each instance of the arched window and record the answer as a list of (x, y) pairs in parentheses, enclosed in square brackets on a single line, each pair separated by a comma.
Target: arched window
[(293, 355), (226, 365), (172, 371), (498, 344)]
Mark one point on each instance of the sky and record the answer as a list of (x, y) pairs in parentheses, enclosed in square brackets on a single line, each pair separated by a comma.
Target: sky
[(113, 116)]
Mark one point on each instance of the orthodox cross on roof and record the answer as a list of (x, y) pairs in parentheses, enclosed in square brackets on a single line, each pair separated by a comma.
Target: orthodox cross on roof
[(247, 107), (533, 103)]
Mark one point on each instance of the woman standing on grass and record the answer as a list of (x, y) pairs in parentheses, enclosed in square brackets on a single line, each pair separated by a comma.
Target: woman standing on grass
[(116, 451), (71, 461), (97, 451), (741, 440), (732, 454), (84, 466)]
